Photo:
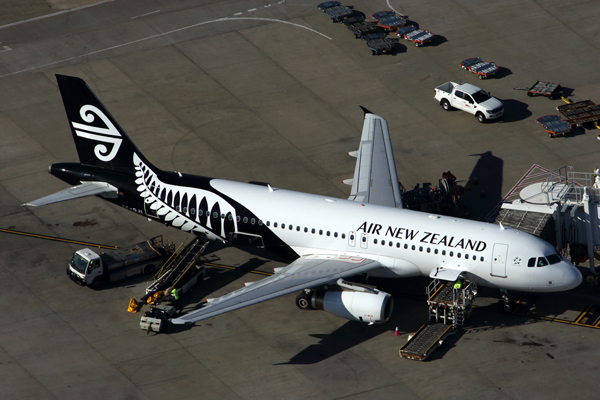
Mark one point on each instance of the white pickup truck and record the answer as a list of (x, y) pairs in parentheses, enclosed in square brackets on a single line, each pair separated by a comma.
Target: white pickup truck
[(469, 98)]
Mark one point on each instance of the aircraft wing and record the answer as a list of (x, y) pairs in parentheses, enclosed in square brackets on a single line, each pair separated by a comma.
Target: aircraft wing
[(375, 179), (306, 272), (75, 192)]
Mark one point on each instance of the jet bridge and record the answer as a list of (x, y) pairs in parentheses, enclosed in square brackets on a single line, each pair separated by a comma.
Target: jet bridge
[(564, 209), (449, 307)]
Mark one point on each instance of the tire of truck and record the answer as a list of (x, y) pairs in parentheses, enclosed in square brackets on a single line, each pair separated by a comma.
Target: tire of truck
[(480, 117), (97, 283), (446, 105), (303, 301), (148, 269)]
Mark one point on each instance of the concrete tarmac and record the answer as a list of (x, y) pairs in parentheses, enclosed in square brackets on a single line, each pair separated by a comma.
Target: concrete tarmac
[(255, 91)]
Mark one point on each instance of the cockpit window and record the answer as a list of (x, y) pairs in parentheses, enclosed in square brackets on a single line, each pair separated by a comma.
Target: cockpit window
[(531, 262), (553, 258), (542, 262)]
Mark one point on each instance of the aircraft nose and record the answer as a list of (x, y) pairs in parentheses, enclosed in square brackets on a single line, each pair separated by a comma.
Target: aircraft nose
[(571, 277)]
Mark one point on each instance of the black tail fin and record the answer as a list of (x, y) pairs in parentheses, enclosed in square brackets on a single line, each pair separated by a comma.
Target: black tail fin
[(99, 139)]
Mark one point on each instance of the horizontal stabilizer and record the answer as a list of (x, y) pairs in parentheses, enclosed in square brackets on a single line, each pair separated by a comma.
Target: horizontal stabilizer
[(75, 192), (446, 273)]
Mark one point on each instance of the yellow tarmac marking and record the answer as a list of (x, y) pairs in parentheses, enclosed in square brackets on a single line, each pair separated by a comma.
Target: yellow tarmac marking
[(58, 239)]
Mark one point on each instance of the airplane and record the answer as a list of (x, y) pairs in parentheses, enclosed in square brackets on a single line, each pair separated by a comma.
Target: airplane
[(325, 239)]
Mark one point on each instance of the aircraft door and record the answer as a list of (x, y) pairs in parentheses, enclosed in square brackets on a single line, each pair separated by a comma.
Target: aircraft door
[(351, 238), (499, 260), (364, 240)]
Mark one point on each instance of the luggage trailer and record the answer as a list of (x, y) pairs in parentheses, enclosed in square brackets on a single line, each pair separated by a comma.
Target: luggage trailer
[(543, 88), (483, 69), (419, 37)]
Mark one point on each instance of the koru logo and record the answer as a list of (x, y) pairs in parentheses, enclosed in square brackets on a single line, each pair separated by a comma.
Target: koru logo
[(110, 134)]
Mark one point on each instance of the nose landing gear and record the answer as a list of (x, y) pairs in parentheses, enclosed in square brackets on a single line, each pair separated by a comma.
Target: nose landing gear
[(509, 304)]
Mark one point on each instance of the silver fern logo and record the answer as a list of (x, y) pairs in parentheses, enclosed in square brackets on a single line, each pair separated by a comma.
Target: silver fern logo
[(110, 134)]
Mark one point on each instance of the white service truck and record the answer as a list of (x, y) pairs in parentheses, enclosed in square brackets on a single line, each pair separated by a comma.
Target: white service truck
[(92, 269), (469, 98)]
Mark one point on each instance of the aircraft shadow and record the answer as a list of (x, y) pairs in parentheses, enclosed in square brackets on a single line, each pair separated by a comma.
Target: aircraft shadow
[(485, 183)]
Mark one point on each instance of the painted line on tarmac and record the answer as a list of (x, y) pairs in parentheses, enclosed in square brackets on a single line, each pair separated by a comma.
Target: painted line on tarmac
[(57, 239), (54, 14), (226, 19)]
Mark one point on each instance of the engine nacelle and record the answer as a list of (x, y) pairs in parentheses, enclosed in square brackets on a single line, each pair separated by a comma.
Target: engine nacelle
[(355, 306)]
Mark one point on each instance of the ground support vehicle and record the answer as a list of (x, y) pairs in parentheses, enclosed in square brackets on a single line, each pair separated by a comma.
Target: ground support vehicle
[(469, 98), (328, 4), (381, 46), (338, 13), (483, 69), (554, 125), (580, 112), (543, 88), (419, 37), (389, 20), (449, 307), (89, 268), (157, 318), (360, 29)]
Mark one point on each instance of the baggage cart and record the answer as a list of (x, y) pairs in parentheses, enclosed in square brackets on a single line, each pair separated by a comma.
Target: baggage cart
[(580, 112), (338, 13), (389, 20), (419, 37), (543, 88), (328, 4), (554, 125), (381, 46), (483, 69)]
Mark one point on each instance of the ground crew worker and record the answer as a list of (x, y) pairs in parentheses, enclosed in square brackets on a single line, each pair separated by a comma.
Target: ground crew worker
[(458, 284), (175, 299)]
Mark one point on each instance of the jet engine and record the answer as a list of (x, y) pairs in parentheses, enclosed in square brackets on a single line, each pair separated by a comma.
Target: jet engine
[(372, 307)]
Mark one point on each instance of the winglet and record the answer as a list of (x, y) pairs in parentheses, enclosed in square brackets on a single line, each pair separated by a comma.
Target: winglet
[(365, 110)]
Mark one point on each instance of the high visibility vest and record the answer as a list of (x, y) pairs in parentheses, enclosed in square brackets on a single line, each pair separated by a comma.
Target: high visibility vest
[(175, 294), (457, 285)]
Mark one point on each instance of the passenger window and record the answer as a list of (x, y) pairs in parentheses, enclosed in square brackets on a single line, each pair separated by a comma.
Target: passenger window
[(245, 220), (343, 236), (451, 254), (238, 218), (542, 262), (200, 213), (466, 256), (291, 227), (215, 215), (459, 94), (458, 255), (413, 247), (298, 228), (420, 248), (390, 243), (268, 223), (364, 239), (481, 259), (374, 241), (313, 231), (531, 262), (398, 245), (230, 217), (474, 258), (193, 211), (334, 234), (259, 221), (405, 246), (177, 208), (435, 251), (429, 250), (185, 210), (443, 252), (553, 258), (305, 229), (274, 224), (329, 234), (282, 226), (351, 236), (383, 242), (320, 231), (252, 221)]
